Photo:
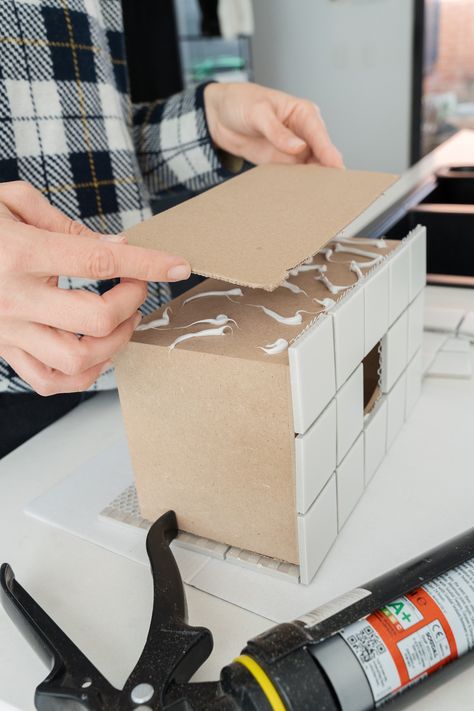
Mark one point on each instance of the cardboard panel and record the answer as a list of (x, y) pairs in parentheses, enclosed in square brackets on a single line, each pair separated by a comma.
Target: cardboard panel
[(348, 317), (312, 373), (317, 531), (350, 481), (394, 352), (375, 434), (417, 245), (414, 380), (350, 412), (376, 292), (399, 279), (315, 457), (212, 438), (415, 325), (396, 401), (253, 228)]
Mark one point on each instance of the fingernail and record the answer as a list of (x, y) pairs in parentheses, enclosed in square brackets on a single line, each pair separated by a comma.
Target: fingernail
[(179, 272), (138, 318), (107, 366), (113, 238), (296, 142)]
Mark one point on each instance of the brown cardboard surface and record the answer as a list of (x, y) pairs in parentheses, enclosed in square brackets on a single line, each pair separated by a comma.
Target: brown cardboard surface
[(212, 438), (254, 228), (254, 328)]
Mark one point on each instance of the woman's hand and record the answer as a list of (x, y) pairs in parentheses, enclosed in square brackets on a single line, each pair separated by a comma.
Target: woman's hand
[(267, 126), (38, 320)]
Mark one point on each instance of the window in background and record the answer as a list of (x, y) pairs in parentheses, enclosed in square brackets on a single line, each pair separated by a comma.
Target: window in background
[(448, 71)]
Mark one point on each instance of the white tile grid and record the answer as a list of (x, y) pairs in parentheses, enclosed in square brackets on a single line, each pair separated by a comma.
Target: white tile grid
[(315, 453), (396, 399), (349, 336), (414, 382), (317, 531), (375, 436), (394, 352), (349, 412), (350, 481), (312, 387), (376, 307)]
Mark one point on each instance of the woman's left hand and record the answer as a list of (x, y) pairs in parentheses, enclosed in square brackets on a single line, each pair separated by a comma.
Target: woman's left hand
[(267, 126)]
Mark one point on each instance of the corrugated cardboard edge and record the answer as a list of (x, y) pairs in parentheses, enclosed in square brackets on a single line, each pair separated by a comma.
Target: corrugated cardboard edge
[(286, 201)]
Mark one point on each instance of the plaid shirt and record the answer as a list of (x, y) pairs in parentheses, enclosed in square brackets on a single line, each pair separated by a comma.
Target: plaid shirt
[(68, 127)]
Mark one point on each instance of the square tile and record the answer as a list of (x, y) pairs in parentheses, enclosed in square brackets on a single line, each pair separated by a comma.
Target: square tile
[(399, 281), (350, 481), (376, 300), (375, 434), (451, 365), (417, 247), (466, 329), (315, 453), (317, 531), (455, 345), (349, 412), (348, 318), (396, 400), (437, 318), (394, 352), (312, 373), (415, 325), (414, 382)]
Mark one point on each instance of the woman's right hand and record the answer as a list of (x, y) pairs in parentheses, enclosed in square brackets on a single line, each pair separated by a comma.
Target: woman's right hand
[(38, 320)]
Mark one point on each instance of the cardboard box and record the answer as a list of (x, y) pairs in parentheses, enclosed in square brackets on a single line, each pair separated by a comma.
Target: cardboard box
[(242, 444)]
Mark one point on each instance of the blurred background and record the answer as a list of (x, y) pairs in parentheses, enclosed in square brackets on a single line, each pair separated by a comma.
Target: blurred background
[(393, 78)]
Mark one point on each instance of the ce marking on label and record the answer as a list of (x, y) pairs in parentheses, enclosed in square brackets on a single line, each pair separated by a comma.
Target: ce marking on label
[(438, 630)]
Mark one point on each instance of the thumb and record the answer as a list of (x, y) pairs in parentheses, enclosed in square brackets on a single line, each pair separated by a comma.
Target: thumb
[(31, 206), (275, 131)]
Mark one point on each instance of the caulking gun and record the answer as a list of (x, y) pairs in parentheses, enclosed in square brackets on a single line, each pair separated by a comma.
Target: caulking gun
[(355, 654)]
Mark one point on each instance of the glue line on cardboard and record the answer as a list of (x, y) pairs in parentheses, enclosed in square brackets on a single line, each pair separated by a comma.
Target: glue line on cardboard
[(206, 332), (204, 294), (278, 346), (156, 323), (295, 320)]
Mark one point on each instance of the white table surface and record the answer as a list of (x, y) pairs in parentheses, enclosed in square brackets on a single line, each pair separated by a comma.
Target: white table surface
[(103, 600)]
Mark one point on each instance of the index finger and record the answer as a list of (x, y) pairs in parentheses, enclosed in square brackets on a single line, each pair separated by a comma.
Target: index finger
[(59, 255), (309, 125)]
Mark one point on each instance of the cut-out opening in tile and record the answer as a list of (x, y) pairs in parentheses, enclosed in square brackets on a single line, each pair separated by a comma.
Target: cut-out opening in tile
[(371, 372)]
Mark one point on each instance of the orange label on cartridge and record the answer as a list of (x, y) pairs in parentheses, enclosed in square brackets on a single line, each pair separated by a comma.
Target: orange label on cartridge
[(415, 634)]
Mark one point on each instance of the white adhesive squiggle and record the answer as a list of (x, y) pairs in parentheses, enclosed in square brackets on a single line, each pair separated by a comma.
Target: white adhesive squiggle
[(379, 243), (204, 294), (220, 320), (371, 263), (293, 288), (327, 303), (278, 346), (295, 320), (357, 271), (353, 250), (157, 323), (306, 268), (327, 253), (333, 288), (206, 332)]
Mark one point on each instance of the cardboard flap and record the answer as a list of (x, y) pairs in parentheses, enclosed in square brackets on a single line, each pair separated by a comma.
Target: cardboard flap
[(254, 228)]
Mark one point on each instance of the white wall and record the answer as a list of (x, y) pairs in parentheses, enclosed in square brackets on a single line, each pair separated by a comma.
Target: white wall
[(353, 58)]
